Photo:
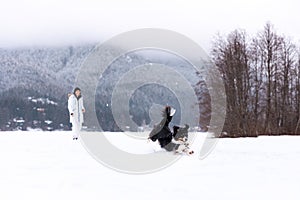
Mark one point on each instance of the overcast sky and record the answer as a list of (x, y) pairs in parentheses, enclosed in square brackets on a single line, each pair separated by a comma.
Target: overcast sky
[(64, 22)]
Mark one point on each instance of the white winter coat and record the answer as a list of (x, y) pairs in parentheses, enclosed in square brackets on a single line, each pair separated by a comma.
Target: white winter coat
[(75, 106)]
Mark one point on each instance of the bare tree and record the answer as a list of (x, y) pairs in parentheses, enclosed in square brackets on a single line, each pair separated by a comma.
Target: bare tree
[(231, 58), (269, 46), (262, 82), (297, 95)]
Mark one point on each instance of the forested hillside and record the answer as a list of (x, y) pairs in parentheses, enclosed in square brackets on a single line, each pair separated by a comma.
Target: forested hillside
[(31, 76)]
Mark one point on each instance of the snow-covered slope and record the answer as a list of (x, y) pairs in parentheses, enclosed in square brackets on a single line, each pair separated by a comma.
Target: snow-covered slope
[(51, 72), (41, 69), (40, 165)]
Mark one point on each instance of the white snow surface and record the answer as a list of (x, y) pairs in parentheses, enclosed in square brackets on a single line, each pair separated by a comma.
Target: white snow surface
[(50, 165)]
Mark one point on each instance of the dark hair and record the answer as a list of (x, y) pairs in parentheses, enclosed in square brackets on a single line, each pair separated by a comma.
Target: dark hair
[(77, 88)]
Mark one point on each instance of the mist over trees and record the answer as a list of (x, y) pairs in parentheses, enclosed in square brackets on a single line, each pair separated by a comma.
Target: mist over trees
[(29, 78), (262, 82)]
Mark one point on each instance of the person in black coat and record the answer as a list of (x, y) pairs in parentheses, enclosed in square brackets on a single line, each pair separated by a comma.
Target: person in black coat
[(162, 132)]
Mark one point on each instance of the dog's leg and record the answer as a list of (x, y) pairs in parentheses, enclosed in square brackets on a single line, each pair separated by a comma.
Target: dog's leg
[(186, 149), (171, 146), (180, 148)]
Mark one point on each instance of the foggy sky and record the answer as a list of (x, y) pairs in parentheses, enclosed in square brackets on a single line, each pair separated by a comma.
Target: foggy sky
[(70, 22)]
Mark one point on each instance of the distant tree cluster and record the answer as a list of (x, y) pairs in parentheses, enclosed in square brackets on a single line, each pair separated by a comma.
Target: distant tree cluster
[(262, 82), (22, 109)]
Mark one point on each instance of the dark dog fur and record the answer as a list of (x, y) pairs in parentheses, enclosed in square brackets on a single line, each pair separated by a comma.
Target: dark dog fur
[(180, 134), (164, 135)]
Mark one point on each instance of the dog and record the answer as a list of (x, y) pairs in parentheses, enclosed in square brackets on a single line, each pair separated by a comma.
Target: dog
[(176, 141), (180, 138)]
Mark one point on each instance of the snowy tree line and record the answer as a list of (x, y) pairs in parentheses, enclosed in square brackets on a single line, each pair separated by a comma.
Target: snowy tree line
[(262, 82), (47, 70), (23, 109)]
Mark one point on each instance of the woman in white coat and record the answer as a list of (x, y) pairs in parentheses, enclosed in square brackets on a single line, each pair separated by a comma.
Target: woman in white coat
[(76, 110)]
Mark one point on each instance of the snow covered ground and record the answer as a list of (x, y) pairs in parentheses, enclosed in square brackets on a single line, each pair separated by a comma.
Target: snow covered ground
[(49, 165)]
